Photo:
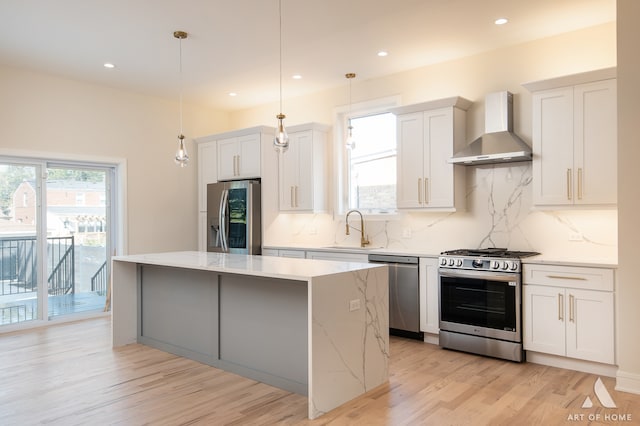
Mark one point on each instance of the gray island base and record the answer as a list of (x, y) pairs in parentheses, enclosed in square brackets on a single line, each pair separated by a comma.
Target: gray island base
[(314, 327)]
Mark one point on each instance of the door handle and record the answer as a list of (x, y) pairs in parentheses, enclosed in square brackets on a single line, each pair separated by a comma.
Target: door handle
[(295, 194), (580, 183), (571, 308), (419, 190), (560, 307), (569, 189), (291, 196), (223, 219), (426, 190)]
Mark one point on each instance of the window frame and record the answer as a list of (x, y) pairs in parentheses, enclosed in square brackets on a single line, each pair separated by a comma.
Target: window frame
[(341, 155)]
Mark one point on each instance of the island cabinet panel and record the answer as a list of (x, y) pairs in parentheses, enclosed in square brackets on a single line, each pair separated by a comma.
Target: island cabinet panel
[(175, 311), (263, 330)]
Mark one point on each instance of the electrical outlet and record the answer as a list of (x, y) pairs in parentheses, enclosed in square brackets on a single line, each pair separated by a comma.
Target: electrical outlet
[(577, 237), (406, 232), (354, 305)]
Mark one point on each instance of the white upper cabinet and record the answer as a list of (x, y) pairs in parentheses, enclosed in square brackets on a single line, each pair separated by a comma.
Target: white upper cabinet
[(239, 157), (302, 171), (427, 136), (575, 140)]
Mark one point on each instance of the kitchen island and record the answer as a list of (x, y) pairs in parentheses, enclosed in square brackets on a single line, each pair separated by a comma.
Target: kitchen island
[(314, 327)]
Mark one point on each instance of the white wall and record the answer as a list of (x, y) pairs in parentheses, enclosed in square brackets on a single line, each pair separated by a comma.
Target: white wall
[(628, 290), (45, 114)]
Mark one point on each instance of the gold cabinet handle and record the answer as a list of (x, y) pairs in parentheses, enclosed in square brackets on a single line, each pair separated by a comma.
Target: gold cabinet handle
[(295, 194), (569, 184), (560, 307), (571, 308), (419, 190), (563, 277), (291, 196), (580, 183), (426, 190)]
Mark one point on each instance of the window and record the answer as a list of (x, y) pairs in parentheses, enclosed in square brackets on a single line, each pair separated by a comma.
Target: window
[(371, 163)]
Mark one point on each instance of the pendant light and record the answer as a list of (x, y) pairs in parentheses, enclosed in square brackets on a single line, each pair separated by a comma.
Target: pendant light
[(281, 141), (182, 158), (350, 143)]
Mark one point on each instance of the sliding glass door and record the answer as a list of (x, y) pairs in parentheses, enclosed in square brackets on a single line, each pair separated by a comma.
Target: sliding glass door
[(77, 239), (20, 247), (55, 239)]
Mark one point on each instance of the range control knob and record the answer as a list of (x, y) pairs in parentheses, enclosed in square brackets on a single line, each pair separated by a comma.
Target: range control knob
[(505, 265), (443, 261), (458, 262), (495, 264), (451, 262), (514, 266)]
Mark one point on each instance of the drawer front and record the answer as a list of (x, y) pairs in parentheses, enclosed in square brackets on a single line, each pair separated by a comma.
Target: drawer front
[(569, 276)]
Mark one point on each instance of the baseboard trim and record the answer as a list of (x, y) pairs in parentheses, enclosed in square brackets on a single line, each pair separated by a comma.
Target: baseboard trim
[(591, 367), (628, 382)]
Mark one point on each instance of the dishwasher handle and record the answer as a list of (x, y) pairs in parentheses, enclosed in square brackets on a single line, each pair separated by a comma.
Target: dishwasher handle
[(388, 258)]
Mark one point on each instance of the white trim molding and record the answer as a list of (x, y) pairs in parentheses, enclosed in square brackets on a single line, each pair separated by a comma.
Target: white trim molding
[(628, 382)]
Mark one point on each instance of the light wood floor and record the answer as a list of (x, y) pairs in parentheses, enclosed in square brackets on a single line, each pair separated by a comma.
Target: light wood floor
[(69, 375)]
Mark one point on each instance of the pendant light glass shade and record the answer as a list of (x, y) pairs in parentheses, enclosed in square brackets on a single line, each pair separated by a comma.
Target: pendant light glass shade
[(281, 141), (350, 143), (182, 157)]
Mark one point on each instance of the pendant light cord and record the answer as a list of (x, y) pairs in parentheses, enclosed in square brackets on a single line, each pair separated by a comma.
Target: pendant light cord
[(180, 82), (280, 42)]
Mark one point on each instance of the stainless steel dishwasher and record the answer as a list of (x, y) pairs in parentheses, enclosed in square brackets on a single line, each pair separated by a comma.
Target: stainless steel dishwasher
[(404, 294)]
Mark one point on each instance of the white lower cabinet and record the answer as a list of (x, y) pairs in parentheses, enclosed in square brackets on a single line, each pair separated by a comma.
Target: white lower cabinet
[(429, 300), (569, 311)]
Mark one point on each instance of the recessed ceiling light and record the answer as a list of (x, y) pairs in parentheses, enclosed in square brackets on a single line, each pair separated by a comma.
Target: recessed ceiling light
[(383, 53), (233, 94), (501, 21), (296, 77), (109, 65)]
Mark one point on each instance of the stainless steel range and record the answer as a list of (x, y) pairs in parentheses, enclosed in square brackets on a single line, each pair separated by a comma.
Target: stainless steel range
[(481, 302)]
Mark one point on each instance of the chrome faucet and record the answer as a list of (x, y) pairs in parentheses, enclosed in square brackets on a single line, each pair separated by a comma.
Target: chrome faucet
[(363, 241)]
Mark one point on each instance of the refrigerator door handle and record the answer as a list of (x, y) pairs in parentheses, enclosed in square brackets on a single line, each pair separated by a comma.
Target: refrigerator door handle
[(223, 220)]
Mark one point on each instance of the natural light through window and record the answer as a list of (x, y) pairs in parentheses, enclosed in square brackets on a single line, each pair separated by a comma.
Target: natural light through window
[(372, 164)]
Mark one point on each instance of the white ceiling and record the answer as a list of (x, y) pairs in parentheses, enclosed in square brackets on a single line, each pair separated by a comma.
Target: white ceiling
[(233, 44)]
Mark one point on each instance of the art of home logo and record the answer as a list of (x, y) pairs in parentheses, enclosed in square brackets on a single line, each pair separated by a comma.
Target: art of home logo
[(605, 400)]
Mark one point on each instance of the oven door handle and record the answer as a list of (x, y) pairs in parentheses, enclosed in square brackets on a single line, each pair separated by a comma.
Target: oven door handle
[(480, 275)]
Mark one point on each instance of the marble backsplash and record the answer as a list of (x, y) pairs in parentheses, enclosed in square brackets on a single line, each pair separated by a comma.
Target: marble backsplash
[(499, 213)]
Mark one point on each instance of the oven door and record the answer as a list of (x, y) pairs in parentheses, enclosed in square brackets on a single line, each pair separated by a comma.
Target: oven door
[(481, 303)]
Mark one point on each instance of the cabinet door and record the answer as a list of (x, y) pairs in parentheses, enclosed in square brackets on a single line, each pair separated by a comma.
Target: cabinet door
[(595, 159), (410, 139), (249, 156), (438, 183), (207, 171), (544, 319), (429, 300), (590, 325), (296, 173), (553, 147), (288, 169), (227, 158), (304, 192)]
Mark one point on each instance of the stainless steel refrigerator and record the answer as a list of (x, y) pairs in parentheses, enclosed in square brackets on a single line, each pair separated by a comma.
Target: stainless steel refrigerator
[(233, 217)]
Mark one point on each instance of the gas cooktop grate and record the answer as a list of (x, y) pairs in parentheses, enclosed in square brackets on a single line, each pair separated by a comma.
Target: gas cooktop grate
[(490, 252)]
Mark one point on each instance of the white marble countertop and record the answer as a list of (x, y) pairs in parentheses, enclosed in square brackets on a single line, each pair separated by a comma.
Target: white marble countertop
[(264, 266), (601, 262)]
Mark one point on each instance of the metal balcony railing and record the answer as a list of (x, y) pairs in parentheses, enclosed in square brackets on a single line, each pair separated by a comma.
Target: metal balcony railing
[(18, 265), (99, 280)]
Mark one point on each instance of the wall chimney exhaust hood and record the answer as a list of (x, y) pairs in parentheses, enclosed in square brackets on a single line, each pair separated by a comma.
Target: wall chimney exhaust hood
[(499, 144)]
